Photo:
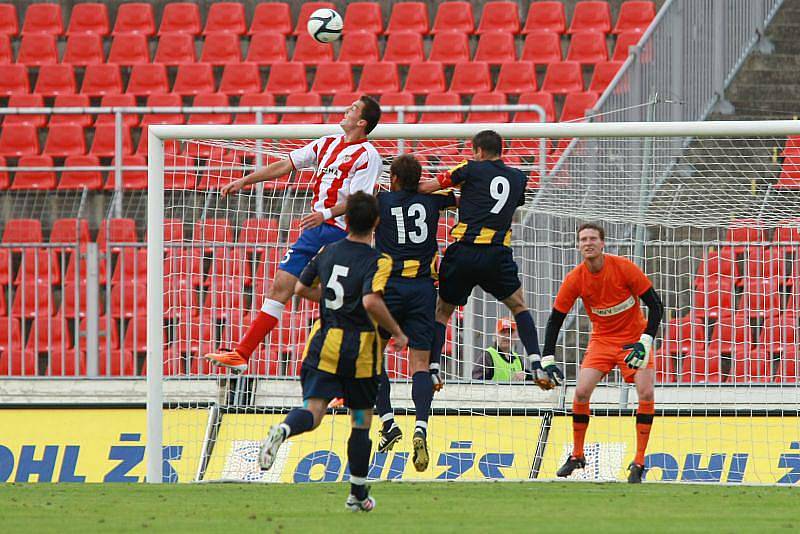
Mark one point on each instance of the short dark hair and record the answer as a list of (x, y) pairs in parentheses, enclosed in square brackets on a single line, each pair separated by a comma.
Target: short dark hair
[(592, 226), (361, 213), (371, 112), (408, 171), (490, 141)]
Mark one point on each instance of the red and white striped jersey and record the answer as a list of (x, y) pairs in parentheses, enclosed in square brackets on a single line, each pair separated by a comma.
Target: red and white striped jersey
[(340, 169)]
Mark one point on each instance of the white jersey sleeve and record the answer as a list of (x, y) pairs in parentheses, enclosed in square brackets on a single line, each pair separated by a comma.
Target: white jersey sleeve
[(367, 171), (308, 156)]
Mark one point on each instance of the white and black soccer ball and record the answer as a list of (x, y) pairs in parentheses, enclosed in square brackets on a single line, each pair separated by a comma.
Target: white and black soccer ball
[(325, 25)]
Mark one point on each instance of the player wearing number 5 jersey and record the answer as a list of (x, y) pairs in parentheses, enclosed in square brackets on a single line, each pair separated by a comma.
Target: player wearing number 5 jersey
[(491, 191), (610, 288), (407, 233), (343, 164)]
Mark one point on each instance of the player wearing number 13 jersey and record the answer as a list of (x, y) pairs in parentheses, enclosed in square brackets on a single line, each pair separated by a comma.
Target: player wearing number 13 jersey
[(491, 191)]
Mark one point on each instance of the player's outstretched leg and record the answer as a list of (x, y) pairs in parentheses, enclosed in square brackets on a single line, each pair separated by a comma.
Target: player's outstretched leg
[(422, 395), (297, 421), (359, 448), (390, 433)]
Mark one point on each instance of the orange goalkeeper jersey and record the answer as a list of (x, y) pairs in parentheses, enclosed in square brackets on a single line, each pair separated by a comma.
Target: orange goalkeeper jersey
[(610, 297)]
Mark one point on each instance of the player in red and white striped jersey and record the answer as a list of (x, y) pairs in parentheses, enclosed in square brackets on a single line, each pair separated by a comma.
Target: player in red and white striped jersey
[(343, 164)]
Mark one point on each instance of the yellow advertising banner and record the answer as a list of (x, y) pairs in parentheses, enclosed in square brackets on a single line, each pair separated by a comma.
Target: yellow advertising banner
[(94, 445), (690, 449)]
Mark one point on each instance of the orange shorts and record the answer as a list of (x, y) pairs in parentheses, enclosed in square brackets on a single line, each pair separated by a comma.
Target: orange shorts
[(604, 354)]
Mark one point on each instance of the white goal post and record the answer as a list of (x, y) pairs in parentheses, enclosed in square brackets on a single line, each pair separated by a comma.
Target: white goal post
[(669, 195)]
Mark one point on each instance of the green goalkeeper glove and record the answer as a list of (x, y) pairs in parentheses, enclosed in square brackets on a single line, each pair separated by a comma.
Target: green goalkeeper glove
[(639, 352)]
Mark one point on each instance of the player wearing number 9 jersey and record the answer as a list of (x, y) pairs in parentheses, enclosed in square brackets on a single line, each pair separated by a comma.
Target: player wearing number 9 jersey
[(407, 233), (491, 191)]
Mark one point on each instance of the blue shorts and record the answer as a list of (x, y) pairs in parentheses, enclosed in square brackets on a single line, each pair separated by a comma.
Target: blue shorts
[(412, 303), (307, 246), (464, 266), (357, 393)]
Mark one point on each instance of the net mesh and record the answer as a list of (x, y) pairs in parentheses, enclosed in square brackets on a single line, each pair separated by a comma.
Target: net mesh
[(712, 221)]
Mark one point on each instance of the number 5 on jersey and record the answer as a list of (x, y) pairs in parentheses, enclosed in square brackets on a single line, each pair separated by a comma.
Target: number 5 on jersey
[(339, 271)]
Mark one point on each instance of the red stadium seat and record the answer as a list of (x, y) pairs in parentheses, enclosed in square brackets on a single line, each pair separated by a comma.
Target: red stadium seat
[(6, 54), (240, 79), (442, 99), (131, 266), (69, 231), (332, 78), (37, 49), (259, 232), (542, 47), (185, 264), (450, 47), (499, 16), (229, 264), (173, 230), (790, 172), (488, 99), (304, 100), (363, 16), (34, 180), (454, 16), (470, 78), (587, 47), (101, 80), (26, 101), (792, 146), (116, 231), (89, 18), (49, 334), (604, 72), (306, 9), (76, 273), (9, 21), (715, 298), (4, 183), (272, 17), (359, 48), (210, 100), (131, 180), (103, 145), (267, 48), (310, 52), (38, 266), (71, 180), (147, 80), (285, 78), (575, 106), (635, 16), (425, 78), (404, 48), (259, 99), (591, 15), (213, 231), (43, 18), (10, 338), (55, 80), (22, 231), (163, 100), (18, 363), (118, 362), (717, 263), (516, 77), (226, 17), (746, 232), (547, 16), (175, 49), (14, 80), (33, 300), (19, 140), (379, 78), (135, 339), (129, 49), (397, 99), (761, 297), (408, 16), (65, 140), (180, 17), (84, 49), (120, 100), (562, 78), (136, 17), (194, 79), (496, 47), (221, 48), (543, 99), (625, 40), (128, 300)]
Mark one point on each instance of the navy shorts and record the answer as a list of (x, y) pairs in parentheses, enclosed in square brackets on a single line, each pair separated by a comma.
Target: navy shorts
[(357, 393), (412, 303), (308, 245), (464, 266)]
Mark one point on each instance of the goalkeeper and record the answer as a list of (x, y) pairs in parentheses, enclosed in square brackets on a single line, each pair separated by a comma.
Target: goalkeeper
[(610, 288)]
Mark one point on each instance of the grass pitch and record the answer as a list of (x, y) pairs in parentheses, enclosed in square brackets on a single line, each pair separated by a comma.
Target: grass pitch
[(402, 507)]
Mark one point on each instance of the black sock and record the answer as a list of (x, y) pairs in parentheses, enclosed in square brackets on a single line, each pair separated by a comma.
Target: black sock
[(299, 420), (422, 395), (359, 447), (439, 333), (383, 404), (527, 332)]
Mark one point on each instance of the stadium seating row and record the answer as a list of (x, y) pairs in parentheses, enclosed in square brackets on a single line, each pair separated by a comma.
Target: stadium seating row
[(359, 16)]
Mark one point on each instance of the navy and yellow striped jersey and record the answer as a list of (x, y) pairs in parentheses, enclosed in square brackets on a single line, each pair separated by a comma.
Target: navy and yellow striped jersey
[(345, 340), (490, 193), (407, 231)]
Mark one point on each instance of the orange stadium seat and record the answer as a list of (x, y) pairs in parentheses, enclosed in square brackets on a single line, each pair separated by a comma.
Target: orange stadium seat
[(19, 140), (103, 145), (118, 100), (267, 48), (379, 78), (256, 99), (285, 78), (34, 180), (194, 79), (516, 77), (240, 78), (38, 266), (37, 49), (496, 47), (43, 18), (363, 16), (408, 16), (91, 17), (590, 15), (425, 78), (562, 78), (635, 16), (226, 17), (547, 16), (306, 9), (404, 48), (135, 17), (397, 99), (576, 104), (129, 49), (163, 100), (543, 99), (625, 40), (359, 48), (272, 17), (488, 99), (9, 22), (65, 140), (55, 80), (332, 78), (542, 47), (175, 48), (454, 16), (26, 101), (180, 17), (304, 100), (101, 80), (211, 100), (310, 52), (221, 48), (84, 49), (470, 78), (587, 47), (604, 72), (450, 47)]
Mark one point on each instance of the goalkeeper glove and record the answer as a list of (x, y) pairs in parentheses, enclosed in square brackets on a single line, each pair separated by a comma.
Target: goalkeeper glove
[(436, 378), (546, 372), (639, 352)]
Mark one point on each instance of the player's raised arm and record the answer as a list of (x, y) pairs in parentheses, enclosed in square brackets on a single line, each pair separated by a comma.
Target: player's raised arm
[(270, 172)]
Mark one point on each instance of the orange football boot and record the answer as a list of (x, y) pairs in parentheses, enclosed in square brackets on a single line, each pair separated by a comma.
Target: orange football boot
[(232, 360)]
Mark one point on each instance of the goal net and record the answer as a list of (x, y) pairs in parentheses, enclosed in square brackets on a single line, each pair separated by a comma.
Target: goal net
[(708, 211)]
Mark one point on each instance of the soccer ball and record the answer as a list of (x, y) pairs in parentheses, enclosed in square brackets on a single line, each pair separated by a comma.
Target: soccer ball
[(325, 25)]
